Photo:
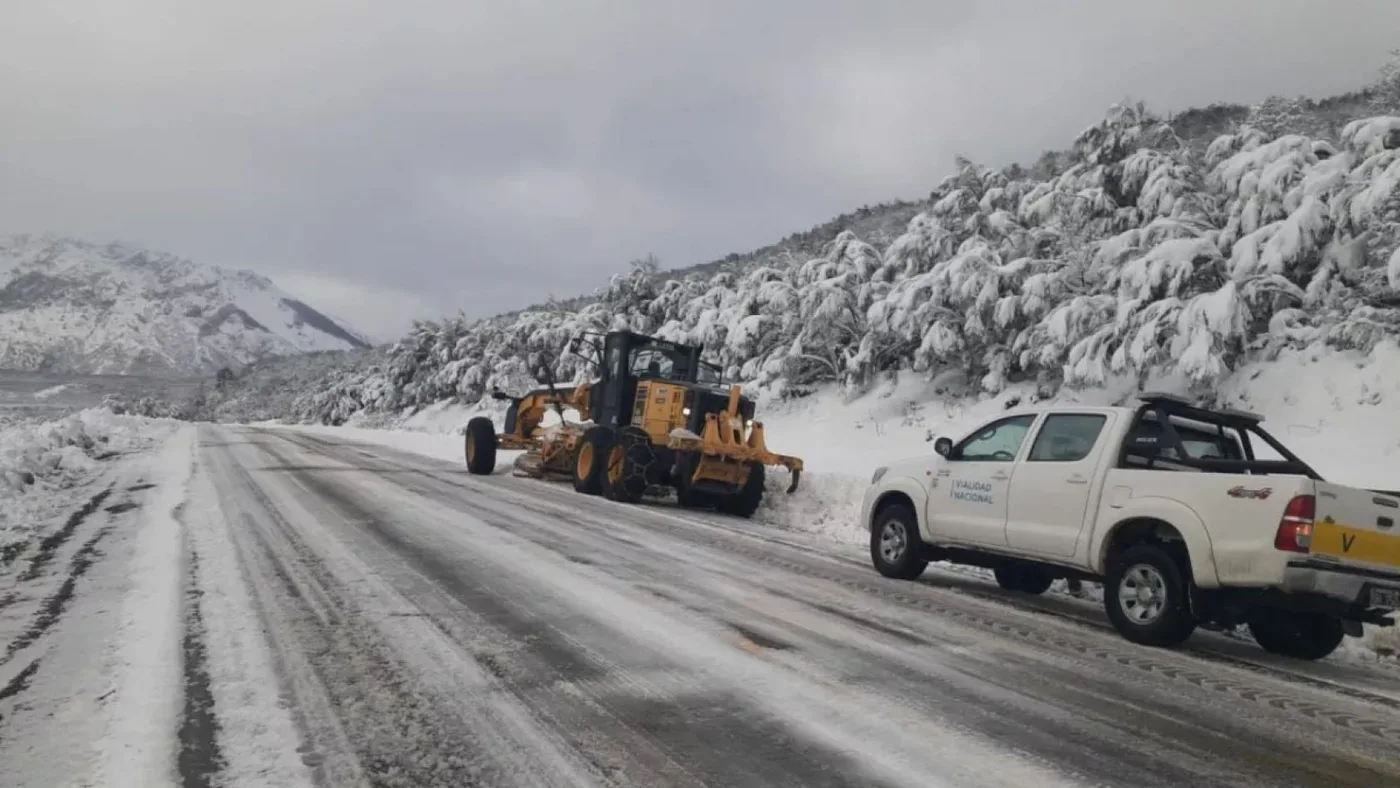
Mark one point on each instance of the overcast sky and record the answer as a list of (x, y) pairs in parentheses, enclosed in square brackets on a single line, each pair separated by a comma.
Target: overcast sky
[(389, 160)]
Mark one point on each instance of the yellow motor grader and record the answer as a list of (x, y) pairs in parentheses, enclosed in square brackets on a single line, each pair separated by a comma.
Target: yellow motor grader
[(657, 417)]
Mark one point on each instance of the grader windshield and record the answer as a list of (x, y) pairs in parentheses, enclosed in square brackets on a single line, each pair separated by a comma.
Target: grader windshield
[(671, 362)]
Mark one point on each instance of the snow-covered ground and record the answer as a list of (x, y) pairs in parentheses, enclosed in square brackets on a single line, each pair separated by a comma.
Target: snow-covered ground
[(90, 598), (1336, 409), (43, 462)]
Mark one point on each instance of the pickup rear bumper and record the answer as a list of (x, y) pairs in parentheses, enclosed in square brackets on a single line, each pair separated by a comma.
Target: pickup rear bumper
[(1345, 584)]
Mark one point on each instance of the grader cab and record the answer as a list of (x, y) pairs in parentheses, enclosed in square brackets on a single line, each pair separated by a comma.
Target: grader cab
[(657, 417)]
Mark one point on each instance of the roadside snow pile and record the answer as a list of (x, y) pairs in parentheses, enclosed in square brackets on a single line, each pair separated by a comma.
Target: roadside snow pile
[(826, 504), (38, 461)]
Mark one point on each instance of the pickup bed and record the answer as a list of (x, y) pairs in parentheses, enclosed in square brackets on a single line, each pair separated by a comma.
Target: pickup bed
[(1188, 516)]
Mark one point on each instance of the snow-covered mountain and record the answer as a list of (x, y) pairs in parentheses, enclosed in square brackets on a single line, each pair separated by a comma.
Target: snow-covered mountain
[(70, 306)]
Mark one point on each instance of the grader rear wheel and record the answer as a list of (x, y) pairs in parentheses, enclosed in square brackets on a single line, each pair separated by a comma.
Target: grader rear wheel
[(590, 462)]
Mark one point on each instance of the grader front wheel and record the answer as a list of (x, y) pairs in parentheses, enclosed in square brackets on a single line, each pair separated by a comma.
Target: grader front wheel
[(746, 501)]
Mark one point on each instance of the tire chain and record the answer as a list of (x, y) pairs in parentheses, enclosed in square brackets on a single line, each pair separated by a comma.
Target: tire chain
[(1346, 720), (636, 476)]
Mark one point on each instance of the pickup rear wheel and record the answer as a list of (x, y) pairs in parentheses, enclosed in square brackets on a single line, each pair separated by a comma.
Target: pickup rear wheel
[(895, 546), (1298, 635), (1145, 595)]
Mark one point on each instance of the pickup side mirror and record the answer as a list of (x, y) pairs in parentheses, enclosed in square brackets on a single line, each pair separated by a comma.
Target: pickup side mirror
[(943, 446)]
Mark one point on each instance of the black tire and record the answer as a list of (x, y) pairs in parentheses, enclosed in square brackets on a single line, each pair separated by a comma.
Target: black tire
[(1308, 636), (631, 466), (896, 549), (591, 458), (745, 502), (686, 495), (480, 446), (1024, 579), (1161, 615)]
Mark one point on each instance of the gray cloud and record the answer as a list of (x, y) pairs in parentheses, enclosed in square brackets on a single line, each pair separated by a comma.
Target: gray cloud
[(432, 155)]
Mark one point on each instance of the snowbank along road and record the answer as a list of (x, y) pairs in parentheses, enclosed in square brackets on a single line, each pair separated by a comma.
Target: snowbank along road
[(279, 608)]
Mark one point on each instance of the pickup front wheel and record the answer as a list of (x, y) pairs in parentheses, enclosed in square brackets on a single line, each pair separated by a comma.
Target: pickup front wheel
[(1145, 597), (895, 546)]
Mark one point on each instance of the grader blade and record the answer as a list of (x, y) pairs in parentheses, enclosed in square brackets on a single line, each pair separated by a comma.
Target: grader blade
[(528, 465)]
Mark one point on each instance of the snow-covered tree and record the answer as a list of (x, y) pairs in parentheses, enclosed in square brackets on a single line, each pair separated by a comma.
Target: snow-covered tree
[(1134, 252)]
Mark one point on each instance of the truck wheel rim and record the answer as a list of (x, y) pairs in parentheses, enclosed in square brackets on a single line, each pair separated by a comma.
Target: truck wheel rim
[(1142, 594), (471, 448), (585, 461), (893, 541)]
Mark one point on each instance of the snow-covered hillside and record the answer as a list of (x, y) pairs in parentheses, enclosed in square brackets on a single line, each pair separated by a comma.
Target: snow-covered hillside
[(1150, 247), (70, 306), (1145, 257)]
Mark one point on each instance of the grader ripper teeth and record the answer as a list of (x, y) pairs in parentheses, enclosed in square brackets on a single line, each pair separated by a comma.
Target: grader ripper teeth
[(726, 453), (658, 417)]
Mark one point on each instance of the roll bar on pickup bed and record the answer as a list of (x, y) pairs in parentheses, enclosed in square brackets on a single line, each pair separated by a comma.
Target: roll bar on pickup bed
[(1159, 410)]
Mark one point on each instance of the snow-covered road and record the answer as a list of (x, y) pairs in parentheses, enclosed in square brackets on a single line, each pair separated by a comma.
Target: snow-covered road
[(353, 615)]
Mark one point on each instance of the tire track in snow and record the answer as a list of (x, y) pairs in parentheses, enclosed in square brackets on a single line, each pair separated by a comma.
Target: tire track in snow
[(367, 719), (19, 683), (199, 759), (56, 604), (50, 544)]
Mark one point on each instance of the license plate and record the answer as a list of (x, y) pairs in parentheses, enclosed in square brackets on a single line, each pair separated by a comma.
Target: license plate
[(1385, 597)]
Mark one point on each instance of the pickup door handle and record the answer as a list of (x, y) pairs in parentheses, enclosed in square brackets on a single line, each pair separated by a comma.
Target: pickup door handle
[(1075, 478), (1384, 522), (1001, 476)]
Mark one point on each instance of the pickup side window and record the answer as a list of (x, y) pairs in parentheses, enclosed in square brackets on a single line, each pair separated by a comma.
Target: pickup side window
[(1148, 441), (1067, 437), (1171, 434), (999, 441)]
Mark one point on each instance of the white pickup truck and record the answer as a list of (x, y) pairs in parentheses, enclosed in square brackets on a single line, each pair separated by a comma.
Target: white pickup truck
[(1188, 516)]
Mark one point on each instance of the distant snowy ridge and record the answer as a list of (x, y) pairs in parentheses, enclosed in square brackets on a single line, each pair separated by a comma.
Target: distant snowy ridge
[(70, 306)]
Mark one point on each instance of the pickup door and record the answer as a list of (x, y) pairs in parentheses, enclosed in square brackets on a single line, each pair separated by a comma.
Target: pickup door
[(1359, 529), (967, 502), (1053, 487)]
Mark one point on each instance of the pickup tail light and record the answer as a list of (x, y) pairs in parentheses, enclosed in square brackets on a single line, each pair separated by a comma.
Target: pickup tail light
[(1295, 529)]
